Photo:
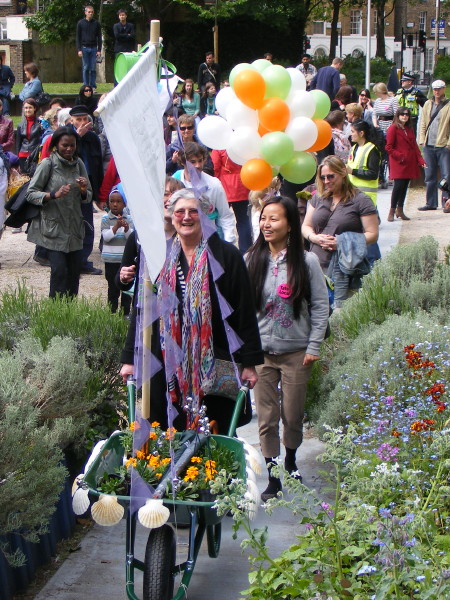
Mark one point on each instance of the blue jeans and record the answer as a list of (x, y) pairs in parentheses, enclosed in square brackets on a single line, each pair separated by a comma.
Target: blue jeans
[(6, 106), (89, 65), (436, 158)]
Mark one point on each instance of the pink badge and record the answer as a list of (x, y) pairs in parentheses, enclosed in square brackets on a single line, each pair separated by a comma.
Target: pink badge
[(284, 291)]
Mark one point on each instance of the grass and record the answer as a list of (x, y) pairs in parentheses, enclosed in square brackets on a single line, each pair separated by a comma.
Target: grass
[(55, 89)]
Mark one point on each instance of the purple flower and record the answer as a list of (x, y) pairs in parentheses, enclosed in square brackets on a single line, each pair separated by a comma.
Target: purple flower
[(386, 452), (389, 400)]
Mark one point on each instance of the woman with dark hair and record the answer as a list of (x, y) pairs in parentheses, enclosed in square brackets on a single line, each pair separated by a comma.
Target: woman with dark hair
[(29, 132), (404, 160), (337, 208), (292, 310), (343, 97), (190, 100), (33, 86), (59, 186), (208, 100), (364, 100), (86, 98), (363, 163)]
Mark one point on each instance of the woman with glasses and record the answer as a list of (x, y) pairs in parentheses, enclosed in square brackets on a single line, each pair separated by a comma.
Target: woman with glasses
[(293, 308), (86, 98), (202, 277), (404, 160), (364, 100), (337, 207)]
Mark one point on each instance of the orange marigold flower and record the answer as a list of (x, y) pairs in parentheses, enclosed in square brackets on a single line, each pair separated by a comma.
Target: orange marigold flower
[(191, 474), (153, 436), (140, 455), (131, 462), (165, 461), (210, 464), (396, 433), (154, 461), (196, 459), (170, 433), (441, 407), (134, 425), (155, 424)]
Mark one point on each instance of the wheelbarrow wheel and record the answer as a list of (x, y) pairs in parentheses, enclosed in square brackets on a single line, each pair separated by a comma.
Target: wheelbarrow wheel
[(159, 563)]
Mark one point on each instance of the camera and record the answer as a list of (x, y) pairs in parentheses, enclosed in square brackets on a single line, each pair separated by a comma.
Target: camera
[(443, 185)]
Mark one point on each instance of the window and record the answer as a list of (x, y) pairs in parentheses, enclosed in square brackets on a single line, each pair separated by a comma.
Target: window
[(355, 22), (423, 21), (319, 27), (416, 60), (320, 52), (357, 53), (429, 52), (3, 29)]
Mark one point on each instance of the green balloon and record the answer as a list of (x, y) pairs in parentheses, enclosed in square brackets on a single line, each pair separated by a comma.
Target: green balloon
[(300, 169), (261, 64), (323, 104), (276, 148), (237, 69), (278, 81)]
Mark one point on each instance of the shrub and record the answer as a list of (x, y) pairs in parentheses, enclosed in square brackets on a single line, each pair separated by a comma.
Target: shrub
[(442, 68)]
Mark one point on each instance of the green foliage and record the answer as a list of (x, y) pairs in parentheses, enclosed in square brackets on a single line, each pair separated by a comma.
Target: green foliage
[(442, 68), (56, 23), (355, 68)]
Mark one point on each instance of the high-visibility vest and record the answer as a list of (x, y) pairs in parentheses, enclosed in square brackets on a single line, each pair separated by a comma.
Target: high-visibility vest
[(408, 100), (368, 186)]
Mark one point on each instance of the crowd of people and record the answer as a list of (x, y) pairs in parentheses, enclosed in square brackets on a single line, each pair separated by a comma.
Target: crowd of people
[(261, 254)]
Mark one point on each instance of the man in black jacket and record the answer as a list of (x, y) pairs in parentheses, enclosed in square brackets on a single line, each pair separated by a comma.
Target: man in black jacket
[(89, 45), (124, 36), (208, 71), (91, 155)]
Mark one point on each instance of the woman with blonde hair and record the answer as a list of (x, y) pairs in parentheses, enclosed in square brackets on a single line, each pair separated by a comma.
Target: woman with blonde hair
[(384, 107), (338, 207)]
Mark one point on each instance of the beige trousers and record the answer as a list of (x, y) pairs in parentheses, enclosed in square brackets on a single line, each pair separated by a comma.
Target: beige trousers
[(287, 403)]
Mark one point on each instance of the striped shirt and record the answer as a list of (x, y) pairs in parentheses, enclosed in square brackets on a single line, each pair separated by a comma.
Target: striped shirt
[(114, 243), (385, 108)]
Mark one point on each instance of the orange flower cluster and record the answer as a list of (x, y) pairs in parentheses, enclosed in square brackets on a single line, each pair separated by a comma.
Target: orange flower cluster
[(395, 433), (210, 470), (416, 361), (423, 425), (436, 391)]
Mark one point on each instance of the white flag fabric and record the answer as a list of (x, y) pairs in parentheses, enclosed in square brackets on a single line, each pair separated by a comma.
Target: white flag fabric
[(132, 118)]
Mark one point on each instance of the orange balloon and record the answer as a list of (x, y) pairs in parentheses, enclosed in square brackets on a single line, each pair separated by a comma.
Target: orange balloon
[(324, 135), (250, 87), (262, 130), (256, 174), (274, 114)]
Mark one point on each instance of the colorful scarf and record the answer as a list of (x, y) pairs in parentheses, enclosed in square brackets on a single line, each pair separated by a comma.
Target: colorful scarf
[(193, 331)]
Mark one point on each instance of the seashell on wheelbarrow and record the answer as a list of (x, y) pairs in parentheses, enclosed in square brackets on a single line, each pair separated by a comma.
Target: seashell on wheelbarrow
[(254, 496), (253, 457), (107, 511), (153, 514), (251, 476), (80, 496)]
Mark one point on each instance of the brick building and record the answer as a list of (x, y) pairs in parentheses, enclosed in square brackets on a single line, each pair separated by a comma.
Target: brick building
[(15, 39), (404, 22)]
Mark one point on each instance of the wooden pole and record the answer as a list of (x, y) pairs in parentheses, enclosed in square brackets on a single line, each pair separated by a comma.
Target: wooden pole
[(147, 332)]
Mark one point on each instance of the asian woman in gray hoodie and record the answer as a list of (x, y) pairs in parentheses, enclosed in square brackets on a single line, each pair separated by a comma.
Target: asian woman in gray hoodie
[(292, 311)]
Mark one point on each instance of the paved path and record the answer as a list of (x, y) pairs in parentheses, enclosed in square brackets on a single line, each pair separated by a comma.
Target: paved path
[(98, 569)]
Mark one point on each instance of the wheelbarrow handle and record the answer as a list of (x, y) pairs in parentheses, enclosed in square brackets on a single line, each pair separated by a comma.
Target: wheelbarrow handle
[(240, 398), (131, 392)]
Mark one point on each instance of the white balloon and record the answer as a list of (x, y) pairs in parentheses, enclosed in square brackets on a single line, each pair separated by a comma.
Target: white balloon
[(302, 104), (239, 115), (223, 99), (245, 142), (214, 132), (297, 78), (303, 132), (239, 160)]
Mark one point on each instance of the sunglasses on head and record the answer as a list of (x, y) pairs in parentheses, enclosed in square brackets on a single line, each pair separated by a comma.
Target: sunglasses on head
[(328, 177), (186, 127)]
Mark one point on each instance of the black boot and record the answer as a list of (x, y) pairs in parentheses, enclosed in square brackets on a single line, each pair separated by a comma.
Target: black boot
[(274, 486), (290, 464)]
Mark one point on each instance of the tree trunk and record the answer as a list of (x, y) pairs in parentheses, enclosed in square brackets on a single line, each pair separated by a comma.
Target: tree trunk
[(334, 35), (381, 45)]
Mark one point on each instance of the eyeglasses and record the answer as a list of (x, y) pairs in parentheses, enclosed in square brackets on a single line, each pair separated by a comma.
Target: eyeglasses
[(404, 114), (329, 177), (181, 212), (364, 95), (187, 128)]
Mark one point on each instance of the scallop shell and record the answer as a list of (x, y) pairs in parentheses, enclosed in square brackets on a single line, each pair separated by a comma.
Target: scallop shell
[(75, 484), (107, 511), (253, 490), (250, 474), (80, 501), (95, 452), (253, 457), (153, 514)]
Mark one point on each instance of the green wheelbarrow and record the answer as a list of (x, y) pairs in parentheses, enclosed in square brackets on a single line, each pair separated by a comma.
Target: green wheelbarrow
[(159, 565)]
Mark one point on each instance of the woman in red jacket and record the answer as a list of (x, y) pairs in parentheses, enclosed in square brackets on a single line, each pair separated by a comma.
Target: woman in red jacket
[(229, 174), (404, 160)]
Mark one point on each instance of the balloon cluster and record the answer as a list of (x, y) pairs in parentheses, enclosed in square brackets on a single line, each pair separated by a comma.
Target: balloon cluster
[(268, 123)]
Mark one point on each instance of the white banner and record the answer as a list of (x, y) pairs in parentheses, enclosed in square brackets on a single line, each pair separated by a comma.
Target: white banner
[(132, 117)]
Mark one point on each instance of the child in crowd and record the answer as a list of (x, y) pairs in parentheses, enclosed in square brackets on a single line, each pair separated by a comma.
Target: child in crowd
[(208, 100), (116, 227)]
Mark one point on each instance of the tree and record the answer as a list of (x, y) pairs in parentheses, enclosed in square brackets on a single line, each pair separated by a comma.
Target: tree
[(380, 7)]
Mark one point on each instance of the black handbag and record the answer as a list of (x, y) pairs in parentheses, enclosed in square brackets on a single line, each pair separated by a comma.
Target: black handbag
[(21, 211), (43, 98)]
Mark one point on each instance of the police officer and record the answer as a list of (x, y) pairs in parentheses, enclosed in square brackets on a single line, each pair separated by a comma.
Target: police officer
[(409, 96)]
